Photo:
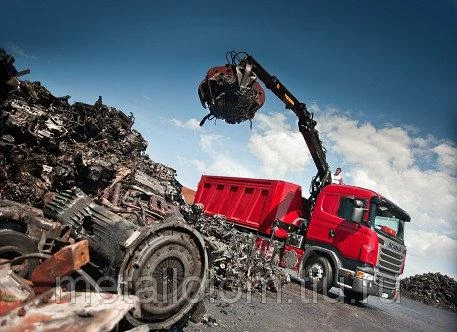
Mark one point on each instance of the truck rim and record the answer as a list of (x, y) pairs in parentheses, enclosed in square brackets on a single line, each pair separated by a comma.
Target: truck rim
[(316, 272)]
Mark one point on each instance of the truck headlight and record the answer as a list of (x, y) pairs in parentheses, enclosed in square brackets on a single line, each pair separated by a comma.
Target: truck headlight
[(364, 276), (368, 277)]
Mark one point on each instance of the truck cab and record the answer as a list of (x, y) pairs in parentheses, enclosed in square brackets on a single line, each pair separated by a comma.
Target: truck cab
[(362, 233)]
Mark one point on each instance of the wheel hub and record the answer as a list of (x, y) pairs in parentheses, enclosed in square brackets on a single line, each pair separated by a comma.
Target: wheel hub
[(316, 272)]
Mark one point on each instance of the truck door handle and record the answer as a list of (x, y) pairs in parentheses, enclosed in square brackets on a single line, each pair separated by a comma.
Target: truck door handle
[(331, 233)]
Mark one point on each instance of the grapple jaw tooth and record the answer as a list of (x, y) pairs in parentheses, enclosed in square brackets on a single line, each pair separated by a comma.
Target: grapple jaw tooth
[(231, 93), (202, 93)]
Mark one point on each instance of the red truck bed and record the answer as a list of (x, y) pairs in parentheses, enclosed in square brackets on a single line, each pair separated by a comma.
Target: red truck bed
[(252, 203)]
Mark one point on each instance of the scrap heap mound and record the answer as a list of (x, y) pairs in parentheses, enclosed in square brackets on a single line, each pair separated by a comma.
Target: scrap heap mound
[(431, 288), (48, 145), (236, 262)]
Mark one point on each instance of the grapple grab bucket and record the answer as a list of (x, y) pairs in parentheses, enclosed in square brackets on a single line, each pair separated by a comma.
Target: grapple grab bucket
[(231, 93)]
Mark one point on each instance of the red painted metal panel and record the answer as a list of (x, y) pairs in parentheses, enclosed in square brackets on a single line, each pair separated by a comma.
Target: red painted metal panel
[(252, 203)]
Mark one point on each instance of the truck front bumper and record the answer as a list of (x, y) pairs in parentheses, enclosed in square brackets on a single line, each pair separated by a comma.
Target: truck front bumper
[(370, 282)]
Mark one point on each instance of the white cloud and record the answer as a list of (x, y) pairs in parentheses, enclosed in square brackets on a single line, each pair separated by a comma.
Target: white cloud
[(220, 162), (210, 143), (146, 97), (280, 149), (193, 124), (16, 50), (427, 251), (200, 164), (447, 157), (222, 165)]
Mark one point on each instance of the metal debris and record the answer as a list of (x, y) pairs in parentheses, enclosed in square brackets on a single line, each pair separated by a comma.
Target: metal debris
[(136, 257), (431, 288), (8, 75), (59, 310), (86, 168), (13, 290), (65, 261), (236, 260)]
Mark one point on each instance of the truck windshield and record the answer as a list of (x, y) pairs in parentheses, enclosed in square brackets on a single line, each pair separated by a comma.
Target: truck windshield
[(387, 220)]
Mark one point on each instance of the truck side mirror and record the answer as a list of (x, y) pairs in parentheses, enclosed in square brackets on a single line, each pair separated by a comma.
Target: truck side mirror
[(357, 211)]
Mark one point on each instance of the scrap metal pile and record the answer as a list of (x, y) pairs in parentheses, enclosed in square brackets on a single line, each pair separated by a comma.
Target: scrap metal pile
[(237, 261), (79, 172), (431, 288)]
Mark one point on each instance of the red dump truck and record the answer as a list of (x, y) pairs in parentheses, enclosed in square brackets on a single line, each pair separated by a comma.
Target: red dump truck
[(342, 236)]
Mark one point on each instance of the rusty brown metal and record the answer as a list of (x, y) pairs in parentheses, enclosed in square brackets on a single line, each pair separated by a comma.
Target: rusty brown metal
[(39, 229), (61, 264), (188, 194), (13, 290), (58, 310)]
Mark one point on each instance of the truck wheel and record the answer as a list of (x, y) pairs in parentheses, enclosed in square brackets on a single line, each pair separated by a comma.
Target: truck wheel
[(351, 297), (318, 274)]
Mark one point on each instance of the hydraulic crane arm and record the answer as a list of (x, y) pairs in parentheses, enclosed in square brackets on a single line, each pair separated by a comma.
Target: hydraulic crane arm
[(306, 122), (217, 92)]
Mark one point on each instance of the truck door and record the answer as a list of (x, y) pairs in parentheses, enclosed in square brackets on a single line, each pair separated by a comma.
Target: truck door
[(348, 235), (322, 219)]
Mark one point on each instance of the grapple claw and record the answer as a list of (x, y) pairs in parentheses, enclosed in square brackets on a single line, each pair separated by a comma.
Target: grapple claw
[(231, 93)]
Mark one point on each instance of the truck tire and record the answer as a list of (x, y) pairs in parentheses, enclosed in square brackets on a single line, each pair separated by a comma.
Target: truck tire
[(351, 297), (318, 274)]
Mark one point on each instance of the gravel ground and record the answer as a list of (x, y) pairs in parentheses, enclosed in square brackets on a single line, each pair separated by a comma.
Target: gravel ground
[(322, 313)]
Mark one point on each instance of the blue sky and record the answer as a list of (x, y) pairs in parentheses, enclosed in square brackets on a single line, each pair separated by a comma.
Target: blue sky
[(393, 60), (377, 75)]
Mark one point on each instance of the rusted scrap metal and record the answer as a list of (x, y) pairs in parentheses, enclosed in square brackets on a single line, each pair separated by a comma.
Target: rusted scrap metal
[(162, 256), (98, 150), (431, 288), (31, 222), (236, 261), (8, 74), (128, 207), (62, 263), (13, 290), (58, 310), (25, 230)]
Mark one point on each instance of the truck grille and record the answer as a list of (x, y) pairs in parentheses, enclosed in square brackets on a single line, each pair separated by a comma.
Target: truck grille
[(390, 259), (385, 281)]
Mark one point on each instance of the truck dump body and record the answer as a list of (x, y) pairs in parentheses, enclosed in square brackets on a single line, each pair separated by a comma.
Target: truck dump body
[(251, 203)]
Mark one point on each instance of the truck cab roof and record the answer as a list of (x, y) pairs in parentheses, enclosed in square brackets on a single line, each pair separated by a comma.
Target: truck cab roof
[(361, 192)]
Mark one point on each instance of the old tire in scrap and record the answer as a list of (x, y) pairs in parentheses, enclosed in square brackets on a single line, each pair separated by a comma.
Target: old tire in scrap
[(318, 274), (166, 268), (14, 244)]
